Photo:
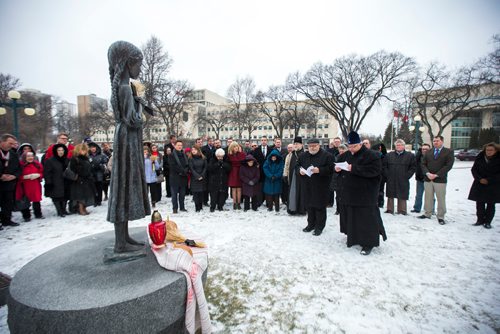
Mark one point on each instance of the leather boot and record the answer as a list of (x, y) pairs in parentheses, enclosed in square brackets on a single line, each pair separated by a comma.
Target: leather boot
[(81, 209)]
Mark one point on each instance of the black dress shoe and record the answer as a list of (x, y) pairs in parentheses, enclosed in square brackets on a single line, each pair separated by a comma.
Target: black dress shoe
[(423, 217), (415, 211), (487, 225), (478, 223), (1, 227), (184, 210), (441, 221), (26, 219), (11, 223), (307, 229), (389, 211), (317, 232), (212, 209), (366, 250)]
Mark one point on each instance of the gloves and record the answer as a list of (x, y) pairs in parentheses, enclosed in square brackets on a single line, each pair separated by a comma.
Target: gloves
[(31, 176)]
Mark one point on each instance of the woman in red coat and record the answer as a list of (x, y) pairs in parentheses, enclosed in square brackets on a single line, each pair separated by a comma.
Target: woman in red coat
[(235, 157), (30, 185)]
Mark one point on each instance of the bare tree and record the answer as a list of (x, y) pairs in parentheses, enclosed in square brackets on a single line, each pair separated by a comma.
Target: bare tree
[(155, 67), (242, 93), (170, 104), (299, 111), (100, 118), (7, 83), (442, 96), (215, 119), (249, 119), (274, 105), (489, 67), (349, 88)]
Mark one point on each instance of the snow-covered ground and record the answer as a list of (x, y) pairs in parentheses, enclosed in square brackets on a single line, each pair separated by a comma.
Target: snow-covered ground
[(267, 276)]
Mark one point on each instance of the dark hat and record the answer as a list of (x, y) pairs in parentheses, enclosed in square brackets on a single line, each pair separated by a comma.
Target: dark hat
[(353, 138), (313, 141), (298, 139)]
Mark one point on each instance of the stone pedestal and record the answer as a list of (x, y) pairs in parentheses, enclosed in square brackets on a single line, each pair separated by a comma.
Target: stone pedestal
[(70, 290)]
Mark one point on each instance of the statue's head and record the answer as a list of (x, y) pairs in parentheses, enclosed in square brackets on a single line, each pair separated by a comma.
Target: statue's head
[(124, 55)]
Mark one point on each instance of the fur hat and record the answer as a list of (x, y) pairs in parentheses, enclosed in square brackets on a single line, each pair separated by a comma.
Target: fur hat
[(220, 152), (313, 141), (353, 138), (298, 139)]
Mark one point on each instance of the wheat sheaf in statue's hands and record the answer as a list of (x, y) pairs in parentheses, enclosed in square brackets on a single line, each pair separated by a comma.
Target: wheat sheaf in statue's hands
[(138, 91)]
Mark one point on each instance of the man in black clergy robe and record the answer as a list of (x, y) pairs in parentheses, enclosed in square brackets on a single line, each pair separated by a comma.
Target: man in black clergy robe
[(320, 164), (359, 213)]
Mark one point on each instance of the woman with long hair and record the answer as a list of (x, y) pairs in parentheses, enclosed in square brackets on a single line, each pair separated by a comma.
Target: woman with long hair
[(235, 157), (83, 189)]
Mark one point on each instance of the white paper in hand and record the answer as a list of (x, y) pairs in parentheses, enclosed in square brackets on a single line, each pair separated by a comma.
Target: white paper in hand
[(342, 165), (307, 171)]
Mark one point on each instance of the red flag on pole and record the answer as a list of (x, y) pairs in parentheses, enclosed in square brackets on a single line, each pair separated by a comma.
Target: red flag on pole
[(396, 113)]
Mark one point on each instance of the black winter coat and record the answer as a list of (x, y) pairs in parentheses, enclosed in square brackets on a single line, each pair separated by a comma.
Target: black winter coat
[(13, 168), (317, 186), (360, 186), (489, 170), (419, 174), (98, 162), (218, 171), (398, 170), (56, 186), (198, 167), (178, 173), (83, 189)]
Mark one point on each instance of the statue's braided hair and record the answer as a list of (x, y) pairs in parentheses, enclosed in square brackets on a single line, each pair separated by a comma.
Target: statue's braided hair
[(119, 53)]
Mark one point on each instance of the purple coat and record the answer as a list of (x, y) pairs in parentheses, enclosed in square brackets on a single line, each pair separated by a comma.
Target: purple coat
[(250, 175)]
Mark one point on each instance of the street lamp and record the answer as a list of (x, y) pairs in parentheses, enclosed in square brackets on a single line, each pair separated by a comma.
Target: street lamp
[(417, 120), (14, 104)]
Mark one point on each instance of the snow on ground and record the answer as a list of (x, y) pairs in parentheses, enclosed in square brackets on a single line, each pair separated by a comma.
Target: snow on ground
[(267, 276)]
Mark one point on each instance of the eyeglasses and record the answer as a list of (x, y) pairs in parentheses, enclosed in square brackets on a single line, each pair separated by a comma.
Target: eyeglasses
[(65, 138)]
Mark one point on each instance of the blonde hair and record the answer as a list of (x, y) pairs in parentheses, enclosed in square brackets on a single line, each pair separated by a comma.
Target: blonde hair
[(81, 148), (232, 146)]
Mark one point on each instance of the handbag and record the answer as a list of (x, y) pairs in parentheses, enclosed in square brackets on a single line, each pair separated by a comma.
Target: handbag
[(69, 174), (160, 178), (22, 204)]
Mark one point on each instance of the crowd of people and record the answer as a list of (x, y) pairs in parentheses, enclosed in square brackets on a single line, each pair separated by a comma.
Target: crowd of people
[(353, 176)]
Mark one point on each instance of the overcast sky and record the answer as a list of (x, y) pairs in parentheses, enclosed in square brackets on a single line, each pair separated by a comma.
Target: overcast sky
[(60, 46)]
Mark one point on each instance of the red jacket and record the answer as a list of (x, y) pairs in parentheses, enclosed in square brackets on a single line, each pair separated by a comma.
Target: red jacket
[(31, 188)]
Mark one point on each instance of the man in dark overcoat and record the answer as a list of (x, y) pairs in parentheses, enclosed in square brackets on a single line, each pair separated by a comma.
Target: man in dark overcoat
[(316, 184), (9, 173), (398, 167), (359, 214)]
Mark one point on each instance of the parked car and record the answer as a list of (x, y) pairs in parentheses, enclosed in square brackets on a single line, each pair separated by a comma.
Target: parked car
[(467, 155)]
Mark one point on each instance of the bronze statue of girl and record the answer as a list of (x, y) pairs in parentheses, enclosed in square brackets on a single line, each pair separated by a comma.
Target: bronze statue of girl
[(128, 197)]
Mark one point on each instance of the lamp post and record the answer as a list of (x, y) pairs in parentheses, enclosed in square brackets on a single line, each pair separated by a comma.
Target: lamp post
[(14, 104), (417, 129)]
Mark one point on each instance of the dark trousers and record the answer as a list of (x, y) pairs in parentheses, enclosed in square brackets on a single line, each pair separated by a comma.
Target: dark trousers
[(178, 195), (485, 212), (285, 190), (7, 205), (37, 210), (60, 204), (105, 187), (217, 198), (316, 218), (205, 197), (381, 194), (167, 186), (98, 192), (198, 200), (155, 191), (331, 198), (273, 200), (246, 203)]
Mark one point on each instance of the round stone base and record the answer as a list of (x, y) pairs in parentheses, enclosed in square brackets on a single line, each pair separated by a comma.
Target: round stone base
[(69, 289)]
